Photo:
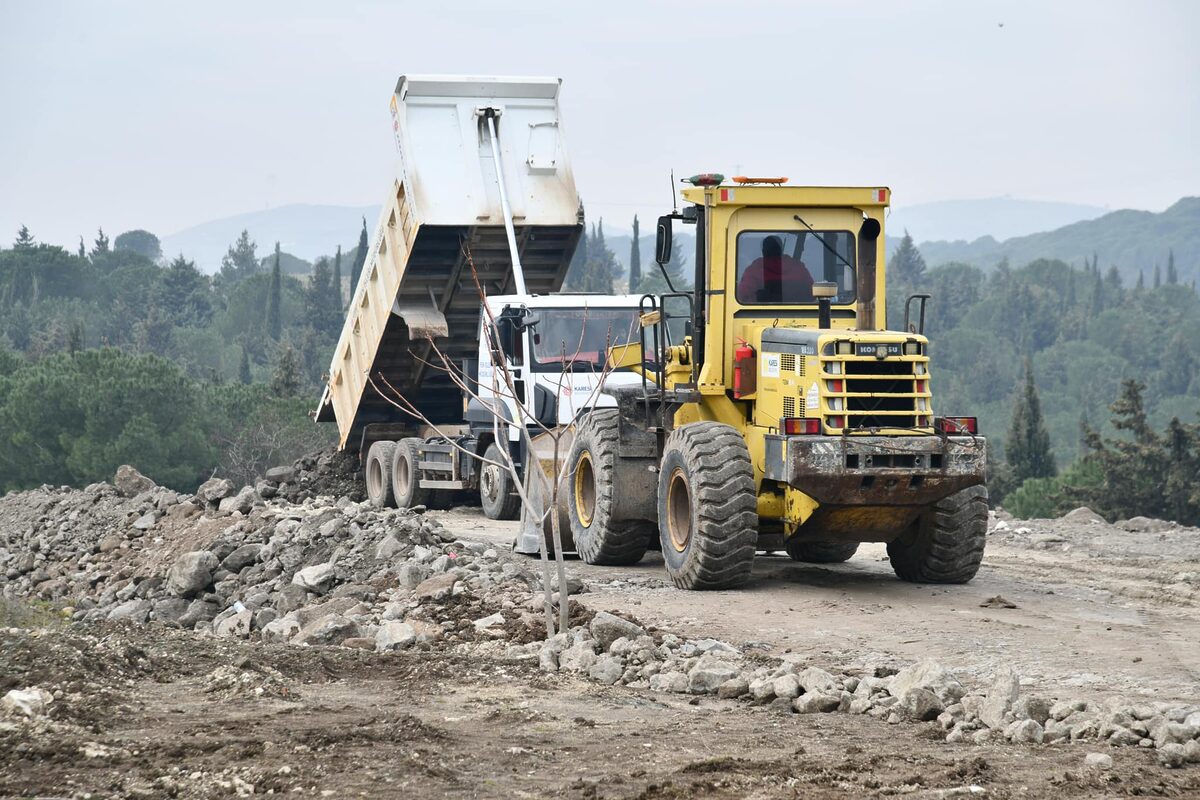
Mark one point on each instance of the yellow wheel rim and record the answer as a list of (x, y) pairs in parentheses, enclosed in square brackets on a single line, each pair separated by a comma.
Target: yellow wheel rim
[(585, 489), (679, 510)]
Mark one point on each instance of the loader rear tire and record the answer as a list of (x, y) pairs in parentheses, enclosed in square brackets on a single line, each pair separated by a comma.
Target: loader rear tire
[(945, 544), (820, 552), (496, 493), (406, 475), (377, 473), (707, 509), (592, 464)]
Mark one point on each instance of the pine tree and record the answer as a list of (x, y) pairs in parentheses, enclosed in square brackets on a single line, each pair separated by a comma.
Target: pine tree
[(322, 306), (1097, 294), (360, 259), (601, 265), (244, 367), (1172, 274), (101, 245), (285, 379), (24, 240), (240, 260), (1028, 447), (1141, 284), (908, 265), (82, 250), (635, 259), (274, 299), (1157, 276), (337, 279)]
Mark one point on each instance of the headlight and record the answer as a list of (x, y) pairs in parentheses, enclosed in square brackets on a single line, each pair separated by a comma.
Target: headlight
[(844, 348), (912, 348)]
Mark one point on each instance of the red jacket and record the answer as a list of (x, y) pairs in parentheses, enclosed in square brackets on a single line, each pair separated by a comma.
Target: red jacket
[(775, 279)]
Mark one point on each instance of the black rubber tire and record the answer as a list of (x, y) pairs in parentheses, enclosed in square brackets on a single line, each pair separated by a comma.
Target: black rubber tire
[(377, 474), (820, 552), (496, 493), (592, 463), (945, 544), (406, 475), (707, 508)]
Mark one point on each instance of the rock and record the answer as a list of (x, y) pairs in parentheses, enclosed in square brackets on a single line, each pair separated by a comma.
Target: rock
[(578, 658), (815, 679), (437, 587), (1172, 756), (1121, 736), (1097, 761), (733, 688), (197, 611), (815, 702), (1000, 698), (606, 628), (110, 543), (145, 522), (388, 549), (1174, 733), (489, 621), (921, 703), (410, 575), (762, 688), (1034, 708), (214, 490), (607, 670), (280, 474), (1191, 751), (709, 673), (1084, 516), (671, 681), (716, 647), (242, 502), (191, 573), (1024, 731), (575, 585), (290, 598), (169, 611), (130, 482), (930, 675), (280, 630), (394, 636), (329, 629), (317, 578), (237, 625), (1065, 708), (242, 557), (29, 702), (786, 686), (133, 610)]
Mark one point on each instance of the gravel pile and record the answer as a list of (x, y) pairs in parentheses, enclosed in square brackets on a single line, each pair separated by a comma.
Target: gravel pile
[(284, 562)]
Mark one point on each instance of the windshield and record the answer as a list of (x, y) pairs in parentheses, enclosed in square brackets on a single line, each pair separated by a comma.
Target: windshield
[(579, 338), (780, 266)]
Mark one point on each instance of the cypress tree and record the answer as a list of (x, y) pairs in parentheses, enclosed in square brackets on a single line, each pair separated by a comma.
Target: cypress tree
[(635, 259), (82, 250), (337, 279), (285, 380), (1172, 274), (1141, 284), (1097, 295), (101, 245), (1157, 276), (244, 367), (1028, 447), (274, 298), (360, 258)]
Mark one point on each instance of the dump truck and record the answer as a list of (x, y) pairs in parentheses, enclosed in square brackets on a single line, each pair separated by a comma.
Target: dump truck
[(786, 416), (483, 209)]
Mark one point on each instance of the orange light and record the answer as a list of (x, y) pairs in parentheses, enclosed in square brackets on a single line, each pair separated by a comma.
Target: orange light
[(835, 386), (744, 180), (953, 425), (801, 426)]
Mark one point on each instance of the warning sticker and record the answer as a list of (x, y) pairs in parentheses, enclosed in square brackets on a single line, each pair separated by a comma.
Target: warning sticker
[(770, 365), (812, 399)]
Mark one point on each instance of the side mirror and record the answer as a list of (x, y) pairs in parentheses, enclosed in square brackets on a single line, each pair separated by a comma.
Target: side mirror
[(870, 229), (530, 320), (662, 242)]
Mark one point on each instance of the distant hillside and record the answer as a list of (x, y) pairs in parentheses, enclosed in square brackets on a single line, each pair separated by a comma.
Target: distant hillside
[(306, 231), (1133, 240), (998, 217)]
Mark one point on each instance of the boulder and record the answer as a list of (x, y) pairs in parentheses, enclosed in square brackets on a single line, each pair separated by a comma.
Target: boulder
[(280, 474), (578, 658), (1034, 708), (130, 482), (1084, 516), (1024, 731), (29, 702), (197, 611), (133, 610), (244, 556), (237, 625), (317, 578), (394, 636), (786, 686), (1098, 761), (411, 574), (214, 490), (241, 502), (815, 702), (280, 630), (606, 670), (606, 628), (733, 688), (921, 703), (169, 611), (437, 587), (930, 675), (145, 522), (815, 679), (1000, 698), (709, 673), (191, 573), (329, 629)]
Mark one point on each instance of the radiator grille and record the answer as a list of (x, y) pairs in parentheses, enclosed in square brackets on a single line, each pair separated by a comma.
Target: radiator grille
[(787, 362), (789, 407), (881, 394)]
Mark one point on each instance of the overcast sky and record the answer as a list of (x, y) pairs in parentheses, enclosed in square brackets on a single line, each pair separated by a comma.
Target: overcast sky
[(163, 115)]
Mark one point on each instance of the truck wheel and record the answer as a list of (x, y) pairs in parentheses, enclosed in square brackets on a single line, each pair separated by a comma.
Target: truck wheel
[(820, 552), (593, 464), (406, 475), (496, 493), (945, 544), (378, 474), (707, 510)]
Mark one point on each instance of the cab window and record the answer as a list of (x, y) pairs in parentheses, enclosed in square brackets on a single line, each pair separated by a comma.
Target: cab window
[(779, 267)]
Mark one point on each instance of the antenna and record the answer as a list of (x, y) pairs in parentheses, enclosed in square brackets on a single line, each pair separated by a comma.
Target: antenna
[(674, 197)]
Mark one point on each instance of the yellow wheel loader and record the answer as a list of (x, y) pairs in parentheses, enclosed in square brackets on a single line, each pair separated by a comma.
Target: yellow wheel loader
[(775, 410)]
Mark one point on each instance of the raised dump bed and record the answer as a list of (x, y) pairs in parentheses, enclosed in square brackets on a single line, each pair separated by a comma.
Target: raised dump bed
[(445, 205)]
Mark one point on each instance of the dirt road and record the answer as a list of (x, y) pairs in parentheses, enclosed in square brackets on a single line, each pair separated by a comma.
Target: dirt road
[(1108, 615)]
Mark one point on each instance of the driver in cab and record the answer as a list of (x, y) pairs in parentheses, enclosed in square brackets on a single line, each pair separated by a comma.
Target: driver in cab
[(775, 277)]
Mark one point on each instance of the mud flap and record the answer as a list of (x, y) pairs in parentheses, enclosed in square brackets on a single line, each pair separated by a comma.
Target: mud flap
[(535, 521)]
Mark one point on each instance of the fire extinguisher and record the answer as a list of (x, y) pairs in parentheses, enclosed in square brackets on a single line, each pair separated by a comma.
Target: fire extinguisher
[(745, 370)]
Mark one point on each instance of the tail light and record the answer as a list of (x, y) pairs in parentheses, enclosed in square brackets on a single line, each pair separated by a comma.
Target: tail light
[(801, 426), (953, 425)]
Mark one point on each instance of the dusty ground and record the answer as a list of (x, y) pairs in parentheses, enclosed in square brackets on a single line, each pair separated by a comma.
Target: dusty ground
[(151, 712)]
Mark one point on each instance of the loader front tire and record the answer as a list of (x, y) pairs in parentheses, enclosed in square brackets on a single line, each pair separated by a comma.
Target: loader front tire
[(707, 509), (945, 544), (406, 475), (496, 493), (592, 468), (377, 473), (820, 552)]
